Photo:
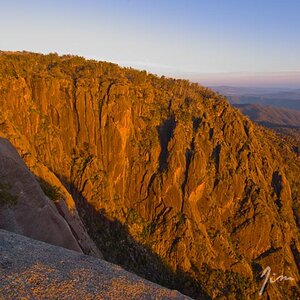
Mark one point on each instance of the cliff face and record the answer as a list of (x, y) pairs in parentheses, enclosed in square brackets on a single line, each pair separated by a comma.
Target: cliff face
[(171, 181)]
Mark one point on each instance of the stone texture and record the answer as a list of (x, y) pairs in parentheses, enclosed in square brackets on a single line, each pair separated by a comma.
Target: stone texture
[(171, 181), (32, 214), (50, 272)]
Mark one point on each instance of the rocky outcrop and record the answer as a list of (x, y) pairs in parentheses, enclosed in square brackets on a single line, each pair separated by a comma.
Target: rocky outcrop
[(24, 207), (50, 272), (170, 180), (285, 122)]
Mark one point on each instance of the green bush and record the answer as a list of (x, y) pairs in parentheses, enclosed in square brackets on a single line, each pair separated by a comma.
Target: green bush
[(52, 192), (148, 230)]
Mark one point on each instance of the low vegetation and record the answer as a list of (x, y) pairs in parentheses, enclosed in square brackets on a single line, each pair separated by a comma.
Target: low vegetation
[(52, 192)]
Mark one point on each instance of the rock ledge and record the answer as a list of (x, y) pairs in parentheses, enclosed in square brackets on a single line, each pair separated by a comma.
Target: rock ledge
[(31, 269)]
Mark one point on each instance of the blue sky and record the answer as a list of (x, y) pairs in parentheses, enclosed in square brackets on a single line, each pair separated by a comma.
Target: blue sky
[(239, 42)]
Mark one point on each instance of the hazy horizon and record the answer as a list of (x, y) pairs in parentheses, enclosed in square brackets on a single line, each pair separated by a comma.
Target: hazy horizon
[(276, 80), (214, 43), (283, 79), (191, 187)]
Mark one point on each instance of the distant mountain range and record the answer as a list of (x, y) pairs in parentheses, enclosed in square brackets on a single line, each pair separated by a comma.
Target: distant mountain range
[(279, 97), (271, 116), (276, 108)]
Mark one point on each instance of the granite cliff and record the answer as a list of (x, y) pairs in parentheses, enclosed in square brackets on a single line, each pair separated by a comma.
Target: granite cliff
[(171, 182)]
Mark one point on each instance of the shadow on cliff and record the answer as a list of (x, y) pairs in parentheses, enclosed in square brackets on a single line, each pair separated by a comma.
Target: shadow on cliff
[(119, 247)]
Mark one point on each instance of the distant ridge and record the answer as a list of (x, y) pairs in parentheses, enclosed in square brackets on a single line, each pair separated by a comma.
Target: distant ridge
[(270, 115), (278, 97)]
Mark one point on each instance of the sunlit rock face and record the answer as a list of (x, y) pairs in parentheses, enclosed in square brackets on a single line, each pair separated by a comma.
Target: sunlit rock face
[(170, 180)]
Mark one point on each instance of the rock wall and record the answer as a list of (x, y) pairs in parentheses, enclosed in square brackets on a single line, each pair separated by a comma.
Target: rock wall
[(171, 181)]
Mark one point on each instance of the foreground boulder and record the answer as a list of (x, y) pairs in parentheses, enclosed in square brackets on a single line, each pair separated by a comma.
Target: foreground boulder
[(25, 209), (35, 270)]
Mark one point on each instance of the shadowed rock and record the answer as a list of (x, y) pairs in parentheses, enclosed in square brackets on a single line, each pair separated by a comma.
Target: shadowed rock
[(25, 209), (30, 213)]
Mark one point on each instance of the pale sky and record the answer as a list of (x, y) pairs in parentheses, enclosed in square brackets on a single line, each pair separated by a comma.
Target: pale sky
[(216, 42)]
